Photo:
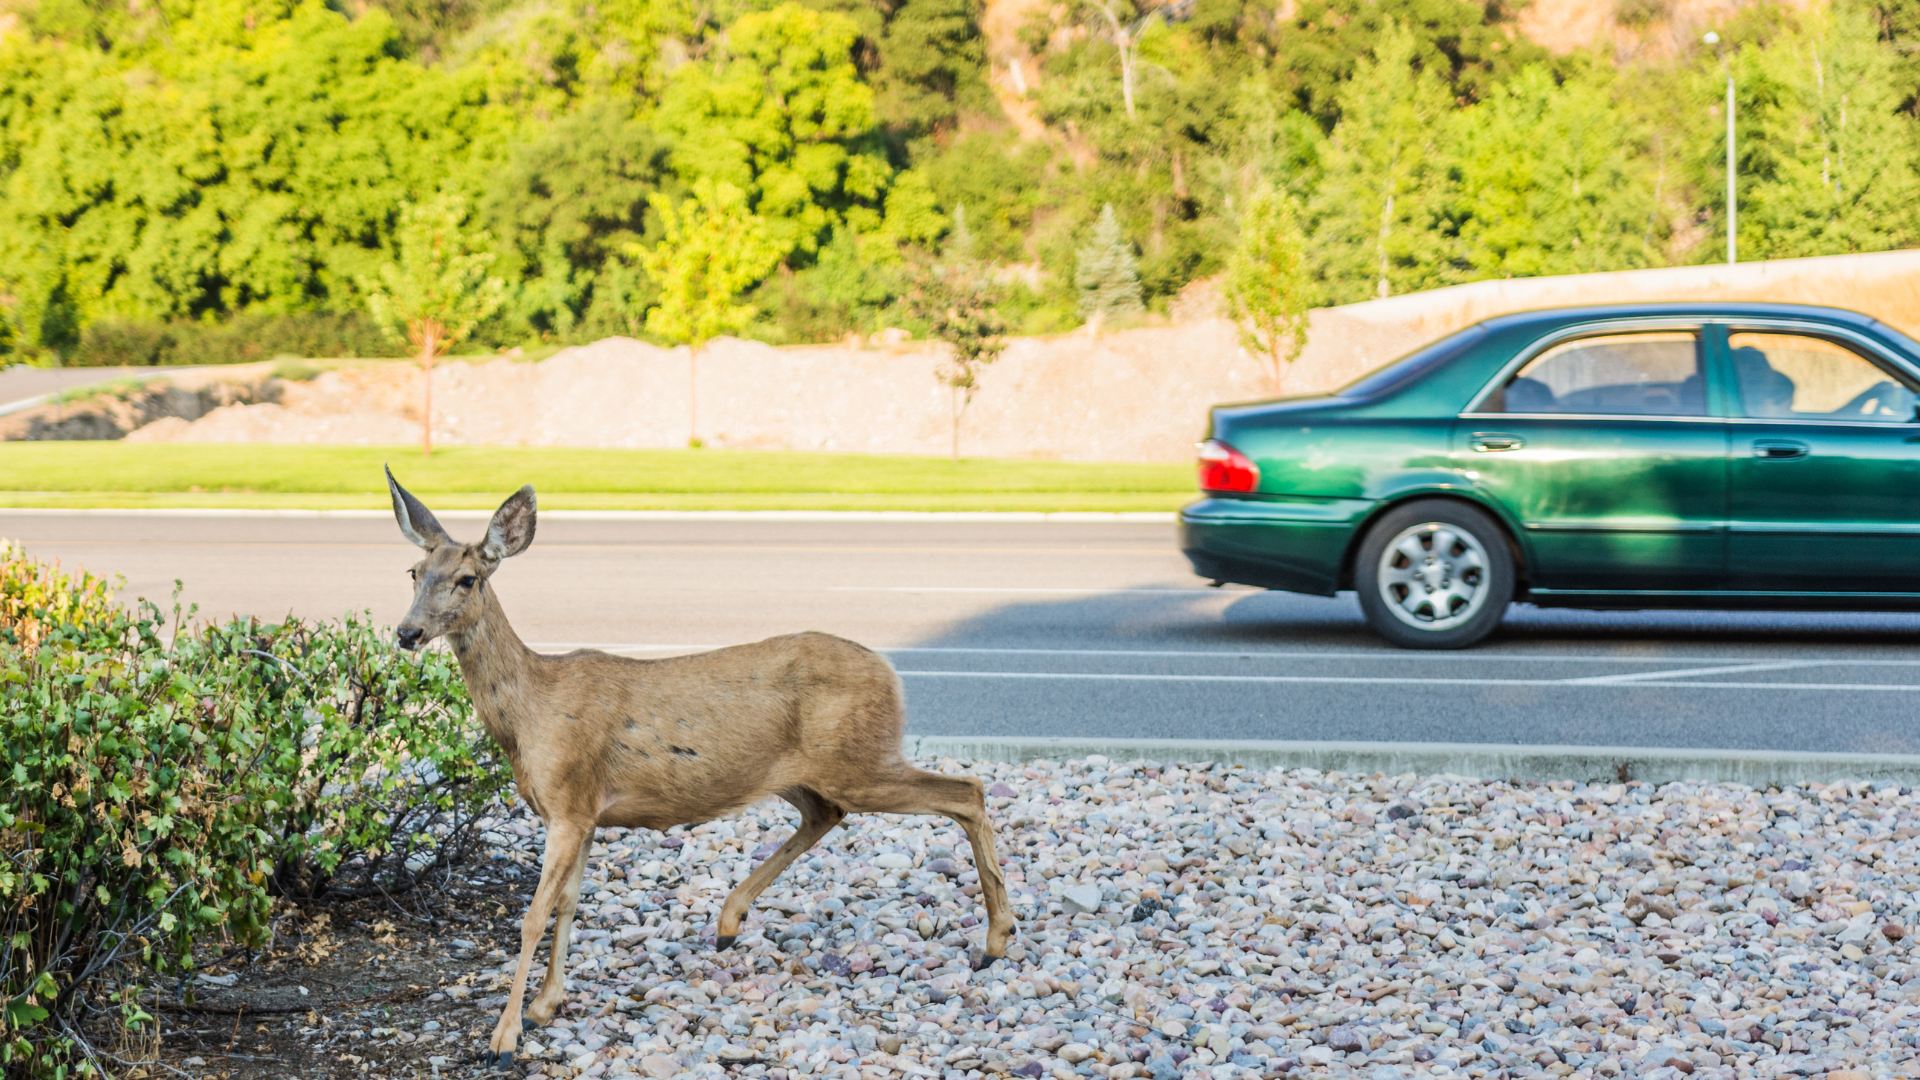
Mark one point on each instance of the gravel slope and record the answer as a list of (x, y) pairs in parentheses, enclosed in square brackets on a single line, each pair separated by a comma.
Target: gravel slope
[(1213, 922)]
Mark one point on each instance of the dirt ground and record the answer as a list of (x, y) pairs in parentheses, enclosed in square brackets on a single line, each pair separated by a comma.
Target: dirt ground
[(364, 989)]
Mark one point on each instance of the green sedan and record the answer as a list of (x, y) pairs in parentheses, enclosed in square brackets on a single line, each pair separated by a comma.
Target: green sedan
[(1656, 455)]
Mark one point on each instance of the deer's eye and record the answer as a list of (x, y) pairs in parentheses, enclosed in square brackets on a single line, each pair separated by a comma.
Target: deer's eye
[(467, 582), (414, 575)]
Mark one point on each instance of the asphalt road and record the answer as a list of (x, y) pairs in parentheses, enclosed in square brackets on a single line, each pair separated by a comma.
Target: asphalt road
[(1079, 629), (19, 384)]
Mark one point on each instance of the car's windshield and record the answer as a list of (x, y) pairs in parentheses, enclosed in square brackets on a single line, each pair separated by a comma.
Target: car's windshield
[(1412, 366)]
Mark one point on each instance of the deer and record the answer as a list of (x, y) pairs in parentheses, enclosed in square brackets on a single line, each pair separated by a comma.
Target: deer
[(597, 740)]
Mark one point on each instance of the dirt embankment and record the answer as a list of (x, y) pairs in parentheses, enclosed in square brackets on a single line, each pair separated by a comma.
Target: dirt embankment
[(127, 405), (1134, 395)]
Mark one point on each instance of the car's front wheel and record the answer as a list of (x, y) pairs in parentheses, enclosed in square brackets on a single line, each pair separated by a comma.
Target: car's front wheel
[(1435, 574)]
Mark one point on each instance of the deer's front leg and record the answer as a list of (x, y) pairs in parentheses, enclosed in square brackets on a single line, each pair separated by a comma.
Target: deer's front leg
[(565, 845), (554, 988)]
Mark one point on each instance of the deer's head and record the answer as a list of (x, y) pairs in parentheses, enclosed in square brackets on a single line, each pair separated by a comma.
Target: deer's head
[(447, 584)]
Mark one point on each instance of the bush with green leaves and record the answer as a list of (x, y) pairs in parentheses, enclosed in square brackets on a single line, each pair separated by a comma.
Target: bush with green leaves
[(392, 771), (150, 342), (160, 792), (134, 819)]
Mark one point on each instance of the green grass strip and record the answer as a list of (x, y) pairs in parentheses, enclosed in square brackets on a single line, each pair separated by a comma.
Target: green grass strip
[(252, 476)]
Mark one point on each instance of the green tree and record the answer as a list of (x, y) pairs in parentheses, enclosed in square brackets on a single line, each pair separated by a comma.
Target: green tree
[(959, 303), (564, 206), (1123, 28), (1003, 182), (1268, 288), (1377, 215), (926, 61), (1554, 179), (848, 288), (712, 247), (1107, 275), (436, 290), (1326, 46), (1829, 162), (781, 115), (198, 183), (932, 63)]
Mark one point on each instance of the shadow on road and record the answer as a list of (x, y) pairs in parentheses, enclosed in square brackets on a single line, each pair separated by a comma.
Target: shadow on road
[(1226, 620), (1529, 625), (1233, 619), (1327, 677)]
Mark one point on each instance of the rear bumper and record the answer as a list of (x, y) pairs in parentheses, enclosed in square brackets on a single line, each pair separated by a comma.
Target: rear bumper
[(1296, 545)]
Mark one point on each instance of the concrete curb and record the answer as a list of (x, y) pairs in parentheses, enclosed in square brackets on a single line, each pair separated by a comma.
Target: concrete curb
[(1756, 768), (1073, 517)]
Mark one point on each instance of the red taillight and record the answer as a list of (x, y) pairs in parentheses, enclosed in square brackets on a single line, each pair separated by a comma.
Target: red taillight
[(1222, 468)]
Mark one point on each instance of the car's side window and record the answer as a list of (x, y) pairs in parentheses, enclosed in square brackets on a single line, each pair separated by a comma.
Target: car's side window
[(1644, 374), (1800, 377)]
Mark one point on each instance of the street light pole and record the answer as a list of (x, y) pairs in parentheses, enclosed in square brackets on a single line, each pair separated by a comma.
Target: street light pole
[(1733, 207)]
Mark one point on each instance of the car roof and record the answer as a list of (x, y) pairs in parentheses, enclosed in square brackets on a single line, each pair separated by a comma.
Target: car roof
[(1546, 318), (1411, 384), (1474, 351)]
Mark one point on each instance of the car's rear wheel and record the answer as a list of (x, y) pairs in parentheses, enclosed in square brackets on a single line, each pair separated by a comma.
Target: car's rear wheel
[(1434, 574)]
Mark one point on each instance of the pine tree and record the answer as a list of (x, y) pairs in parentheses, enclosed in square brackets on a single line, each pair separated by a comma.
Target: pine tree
[(961, 244), (1828, 163), (1108, 276), (1554, 179), (1378, 226)]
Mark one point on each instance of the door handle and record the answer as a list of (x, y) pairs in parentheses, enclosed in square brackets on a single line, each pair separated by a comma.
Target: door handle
[(1780, 449), (1491, 442)]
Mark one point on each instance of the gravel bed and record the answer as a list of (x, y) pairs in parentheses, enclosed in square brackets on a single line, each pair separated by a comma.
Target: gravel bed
[(1183, 921)]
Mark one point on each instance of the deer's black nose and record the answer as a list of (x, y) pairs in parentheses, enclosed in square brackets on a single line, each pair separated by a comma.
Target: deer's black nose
[(409, 637)]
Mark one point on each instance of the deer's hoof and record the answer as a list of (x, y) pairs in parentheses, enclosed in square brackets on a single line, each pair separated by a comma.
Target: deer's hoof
[(526, 1024), (984, 962), (725, 941), (501, 1060)]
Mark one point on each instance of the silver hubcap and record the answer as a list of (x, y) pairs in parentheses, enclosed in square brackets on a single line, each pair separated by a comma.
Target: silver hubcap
[(1434, 576)]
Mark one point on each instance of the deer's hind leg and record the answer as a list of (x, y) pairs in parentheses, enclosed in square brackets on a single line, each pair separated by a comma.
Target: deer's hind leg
[(566, 844), (554, 987), (817, 818), (914, 791)]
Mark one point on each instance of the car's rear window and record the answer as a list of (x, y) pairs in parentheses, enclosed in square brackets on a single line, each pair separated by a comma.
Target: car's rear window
[(1413, 366)]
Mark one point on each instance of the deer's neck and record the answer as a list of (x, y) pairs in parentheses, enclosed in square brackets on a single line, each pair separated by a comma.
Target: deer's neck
[(498, 669)]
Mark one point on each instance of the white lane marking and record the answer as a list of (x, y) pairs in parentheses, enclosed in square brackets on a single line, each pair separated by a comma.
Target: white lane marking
[(910, 517), (1363, 680), (1687, 673), (1237, 590), (638, 545), (1220, 654), (609, 646)]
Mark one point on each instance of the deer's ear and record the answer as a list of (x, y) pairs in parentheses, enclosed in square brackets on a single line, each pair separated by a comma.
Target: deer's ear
[(417, 523), (511, 529)]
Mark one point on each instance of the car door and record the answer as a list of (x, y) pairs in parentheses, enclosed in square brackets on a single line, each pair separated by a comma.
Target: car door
[(1824, 465), (1606, 448)]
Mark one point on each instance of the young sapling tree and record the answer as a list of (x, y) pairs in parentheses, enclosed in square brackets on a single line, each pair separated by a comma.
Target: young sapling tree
[(436, 290), (959, 303), (711, 248), (1268, 288)]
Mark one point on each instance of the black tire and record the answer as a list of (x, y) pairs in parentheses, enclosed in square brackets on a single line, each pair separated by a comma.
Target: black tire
[(1404, 602)]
